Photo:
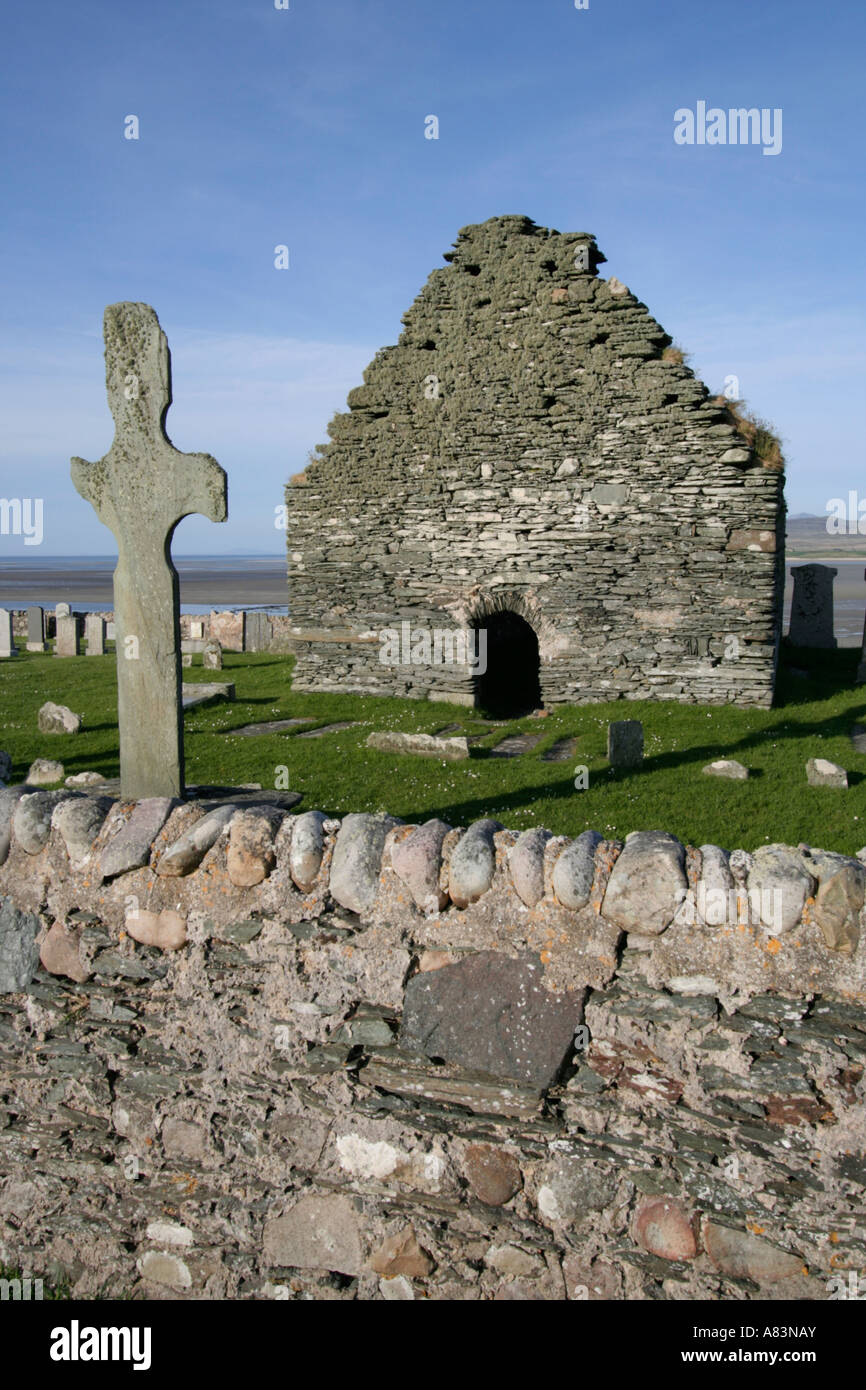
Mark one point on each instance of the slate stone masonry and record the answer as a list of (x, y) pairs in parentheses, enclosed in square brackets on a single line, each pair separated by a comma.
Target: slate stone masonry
[(529, 446), (250, 1065)]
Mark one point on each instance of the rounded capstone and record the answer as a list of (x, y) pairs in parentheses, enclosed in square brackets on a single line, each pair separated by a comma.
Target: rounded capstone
[(79, 821), (357, 860), (31, 820), (715, 886), (647, 884), (307, 848), (473, 863), (574, 870), (189, 849), (778, 887), (526, 863), (416, 860)]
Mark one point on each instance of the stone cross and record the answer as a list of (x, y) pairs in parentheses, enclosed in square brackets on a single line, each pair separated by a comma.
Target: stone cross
[(812, 606), (141, 489)]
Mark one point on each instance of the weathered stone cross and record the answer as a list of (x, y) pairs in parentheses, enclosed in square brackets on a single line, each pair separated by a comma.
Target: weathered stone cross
[(141, 489)]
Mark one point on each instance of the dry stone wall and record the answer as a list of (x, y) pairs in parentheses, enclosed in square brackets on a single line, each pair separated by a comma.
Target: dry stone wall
[(529, 446), (277, 1055)]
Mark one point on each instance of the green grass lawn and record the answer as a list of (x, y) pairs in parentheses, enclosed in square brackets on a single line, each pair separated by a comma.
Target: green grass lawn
[(338, 774)]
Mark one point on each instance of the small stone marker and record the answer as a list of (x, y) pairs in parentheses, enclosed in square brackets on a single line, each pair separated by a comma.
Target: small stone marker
[(821, 773), (141, 489), (44, 772), (7, 644), (67, 636), (57, 719), (258, 632), (94, 633), (625, 743), (812, 606), (212, 656), (727, 767), (35, 630)]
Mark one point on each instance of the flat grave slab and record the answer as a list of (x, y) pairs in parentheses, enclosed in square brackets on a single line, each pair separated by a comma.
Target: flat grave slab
[(202, 692), (560, 752), (330, 729), (270, 726), (515, 744)]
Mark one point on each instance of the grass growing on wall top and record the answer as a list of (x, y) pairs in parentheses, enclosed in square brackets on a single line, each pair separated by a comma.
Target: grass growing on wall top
[(338, 774)]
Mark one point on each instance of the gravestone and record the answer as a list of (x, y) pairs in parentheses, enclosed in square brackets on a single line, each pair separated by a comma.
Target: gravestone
[(110, 632), (7, 644), (62, 610), (35, 630), (94, 632), (625, 743), (196, 630), (141, 489), (861, 669), (229, 630), (812, 606), (67, 636), (212, 656), (258, 632)]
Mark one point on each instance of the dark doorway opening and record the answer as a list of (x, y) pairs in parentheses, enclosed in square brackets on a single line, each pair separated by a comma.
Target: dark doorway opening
[(510, 686)]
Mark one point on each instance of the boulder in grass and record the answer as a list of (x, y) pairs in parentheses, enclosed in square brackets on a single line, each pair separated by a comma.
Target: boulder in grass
[(84, 779), (58, 719), (821, 773), (422, 745), (44, 772), (727, 767)]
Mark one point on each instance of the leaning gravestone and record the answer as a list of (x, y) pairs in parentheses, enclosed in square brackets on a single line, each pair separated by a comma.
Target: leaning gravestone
[(141, 489), (812, 606), (7, 643), (67, 636), (625, 743), (35, 630), (94, 632)]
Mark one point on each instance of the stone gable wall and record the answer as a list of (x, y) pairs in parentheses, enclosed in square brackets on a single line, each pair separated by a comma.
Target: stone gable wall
[(272, 1055), (526, 445)]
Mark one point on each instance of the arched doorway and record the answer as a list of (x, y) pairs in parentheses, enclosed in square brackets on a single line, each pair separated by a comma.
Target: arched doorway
[(510, 686)]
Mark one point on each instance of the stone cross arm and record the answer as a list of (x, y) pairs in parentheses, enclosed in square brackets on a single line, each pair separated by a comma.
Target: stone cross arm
[(143, 486)]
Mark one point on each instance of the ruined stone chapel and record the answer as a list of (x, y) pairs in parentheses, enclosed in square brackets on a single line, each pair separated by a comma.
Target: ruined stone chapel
[(534, 459)]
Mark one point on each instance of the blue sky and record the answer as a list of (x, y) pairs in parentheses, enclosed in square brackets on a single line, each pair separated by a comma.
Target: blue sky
[(305, 127)]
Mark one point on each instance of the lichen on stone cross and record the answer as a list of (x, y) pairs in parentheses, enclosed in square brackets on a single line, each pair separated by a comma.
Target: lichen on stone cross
[(141, 489)]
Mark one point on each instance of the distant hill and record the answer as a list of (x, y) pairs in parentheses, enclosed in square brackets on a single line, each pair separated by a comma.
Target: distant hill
[(807, 537)]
